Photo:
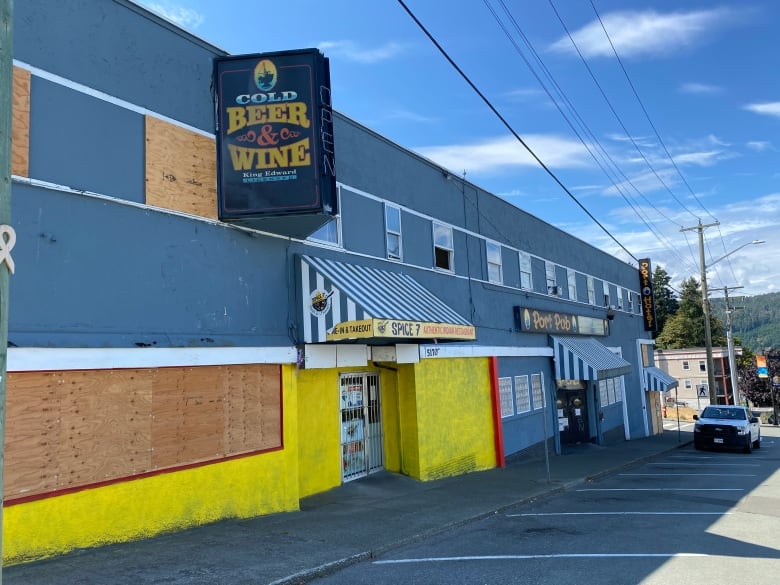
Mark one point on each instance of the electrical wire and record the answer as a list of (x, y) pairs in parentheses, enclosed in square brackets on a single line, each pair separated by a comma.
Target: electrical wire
[(602, 152), (511, 129)]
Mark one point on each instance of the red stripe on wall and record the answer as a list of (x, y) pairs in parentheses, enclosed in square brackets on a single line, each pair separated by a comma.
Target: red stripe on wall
[(498, 432)]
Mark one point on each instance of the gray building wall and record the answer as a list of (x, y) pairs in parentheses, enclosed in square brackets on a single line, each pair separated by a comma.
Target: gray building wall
[(110, 272)]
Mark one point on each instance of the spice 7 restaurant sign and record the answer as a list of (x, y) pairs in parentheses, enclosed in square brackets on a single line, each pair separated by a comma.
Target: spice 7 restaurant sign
[(274, 135), (398, 329)]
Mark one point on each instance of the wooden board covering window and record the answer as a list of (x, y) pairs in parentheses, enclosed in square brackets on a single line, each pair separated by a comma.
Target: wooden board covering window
[(181, 169), (20, 123), (75, 428)]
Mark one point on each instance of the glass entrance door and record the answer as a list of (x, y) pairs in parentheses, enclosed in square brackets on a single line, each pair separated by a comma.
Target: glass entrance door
[(572, 416), (362, 445)]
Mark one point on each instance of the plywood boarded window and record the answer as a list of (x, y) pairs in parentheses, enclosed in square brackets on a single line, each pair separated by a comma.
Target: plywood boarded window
[(20, 123), (70, 429), (181, 169)]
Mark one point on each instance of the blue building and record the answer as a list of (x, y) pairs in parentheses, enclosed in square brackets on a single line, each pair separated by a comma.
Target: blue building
[(169, 366)]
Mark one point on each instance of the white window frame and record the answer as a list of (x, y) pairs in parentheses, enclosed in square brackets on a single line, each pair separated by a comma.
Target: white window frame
[(591, 290), (686, 365), (522, 394), (702, 365), (447, 247), (505, 394), (621, 293), (392, 233), (688, 385), (526, 271), (571, 282), (607, 300), (551, 278), (537, 391), (495, 263)]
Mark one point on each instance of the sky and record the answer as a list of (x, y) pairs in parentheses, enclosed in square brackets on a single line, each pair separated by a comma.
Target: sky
[(649, 117)]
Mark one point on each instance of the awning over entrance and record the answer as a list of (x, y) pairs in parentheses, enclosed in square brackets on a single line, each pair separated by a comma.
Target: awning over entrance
[(658, 380), (347, 301), (584, 358)]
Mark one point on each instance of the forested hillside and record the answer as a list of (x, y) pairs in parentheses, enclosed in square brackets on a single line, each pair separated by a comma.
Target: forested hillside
[(755, 320)]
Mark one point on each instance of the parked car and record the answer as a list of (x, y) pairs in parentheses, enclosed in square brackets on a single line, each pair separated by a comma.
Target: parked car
[(730, 427)]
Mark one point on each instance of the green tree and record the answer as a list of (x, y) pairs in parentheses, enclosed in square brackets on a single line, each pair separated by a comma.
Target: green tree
[(686, 327), (666, 305)]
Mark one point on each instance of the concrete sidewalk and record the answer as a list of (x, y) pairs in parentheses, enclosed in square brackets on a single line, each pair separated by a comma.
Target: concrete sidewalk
[(342, 526)]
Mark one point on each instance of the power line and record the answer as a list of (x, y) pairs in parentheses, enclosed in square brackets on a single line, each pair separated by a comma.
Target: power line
[(509, 127), (647, 115), (602, 152)]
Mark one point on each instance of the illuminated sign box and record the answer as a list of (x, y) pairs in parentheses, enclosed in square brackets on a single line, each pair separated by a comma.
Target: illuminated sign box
[(647, 294), (535, 321), (275, 157)]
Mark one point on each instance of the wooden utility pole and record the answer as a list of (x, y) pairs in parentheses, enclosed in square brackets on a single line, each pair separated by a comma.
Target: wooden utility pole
[(7, 235)]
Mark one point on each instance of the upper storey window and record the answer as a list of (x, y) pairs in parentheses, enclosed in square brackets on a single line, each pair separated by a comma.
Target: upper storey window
[(393, 231), (443, 248)]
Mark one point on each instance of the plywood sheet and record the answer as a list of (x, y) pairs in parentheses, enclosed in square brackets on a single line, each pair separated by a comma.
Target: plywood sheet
[(74, 428), (181, 169), (253, 408), (31, 434), (20, 123), (187, 416), (105, 425)]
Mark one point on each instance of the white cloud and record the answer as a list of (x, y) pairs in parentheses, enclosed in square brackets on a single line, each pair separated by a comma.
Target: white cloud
[(507, 153), (351, 51), (184, 17), (642, 33), (767, 108), (699, 88), (759, 145)]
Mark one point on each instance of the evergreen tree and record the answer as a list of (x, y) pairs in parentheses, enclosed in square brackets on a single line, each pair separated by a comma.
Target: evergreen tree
[(686, 327), (666, 304)]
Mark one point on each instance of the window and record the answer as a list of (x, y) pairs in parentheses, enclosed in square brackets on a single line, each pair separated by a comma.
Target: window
[(610, 391), (621, 292), (591, 291), (505, 392), (537, 391), (549, 273), (702, 366), (606, 293), (330, 233), (688, 385), (571, 278), (526, 279), (393, 231), (522, 394), (686, 365), (630, 302), (443, 249), (494, 262)]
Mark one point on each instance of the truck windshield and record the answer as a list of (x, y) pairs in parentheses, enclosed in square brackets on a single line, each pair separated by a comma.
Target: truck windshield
[(723, 413)]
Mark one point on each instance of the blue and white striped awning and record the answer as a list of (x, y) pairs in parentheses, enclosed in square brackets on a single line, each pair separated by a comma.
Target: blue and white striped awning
[(348, 301), (658, 380), (584, 358)]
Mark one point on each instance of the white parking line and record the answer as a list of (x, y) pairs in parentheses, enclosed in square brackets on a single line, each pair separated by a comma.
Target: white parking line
[(620, 514), (689, 474), (712, 464), (533, 557), (661, 490)]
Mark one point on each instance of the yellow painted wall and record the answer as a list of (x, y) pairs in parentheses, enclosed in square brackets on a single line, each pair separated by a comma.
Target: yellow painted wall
[(319, 447), (409, 452), (320, 431), (239, 488), (454, 419)]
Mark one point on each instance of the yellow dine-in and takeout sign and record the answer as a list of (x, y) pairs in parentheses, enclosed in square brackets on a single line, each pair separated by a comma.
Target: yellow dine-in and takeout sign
[(365, 328)]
